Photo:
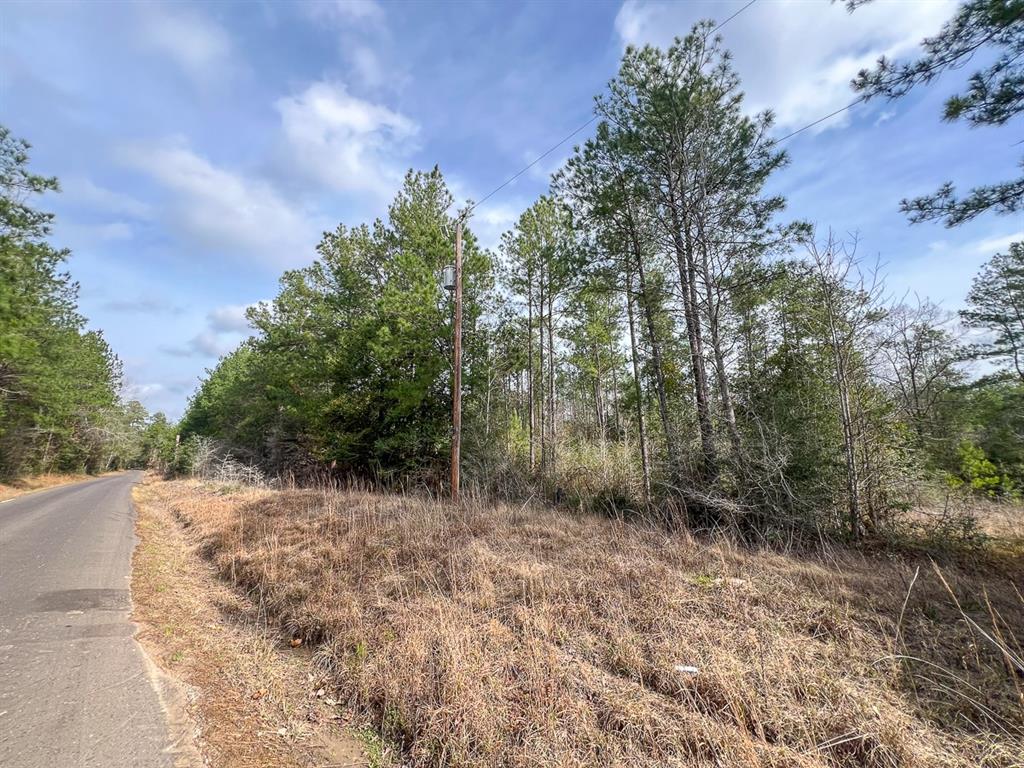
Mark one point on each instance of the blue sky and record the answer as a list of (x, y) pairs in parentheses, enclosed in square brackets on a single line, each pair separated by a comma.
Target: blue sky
[(203, 148)]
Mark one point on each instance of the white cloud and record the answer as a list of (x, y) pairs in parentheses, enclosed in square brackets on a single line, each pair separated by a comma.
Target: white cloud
[(793, 56), (885, 116), (80, 236), (157, 396), (346, 11), (991, 246), (196, 43), (206, 344), (211, 344), (82, 190), (133, 391), (226, 327), (367, 66), (147, 305), (491, 221), (544, 169), (345, 142), (365, 43), (220, 210), (115, 230), (229, 318)]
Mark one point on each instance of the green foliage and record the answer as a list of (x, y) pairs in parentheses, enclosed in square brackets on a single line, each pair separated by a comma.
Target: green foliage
[(157, 444), (350, 367), (59, 383), (991, 416), (995, 304), (994, 95), (653, 346), (979, 473)]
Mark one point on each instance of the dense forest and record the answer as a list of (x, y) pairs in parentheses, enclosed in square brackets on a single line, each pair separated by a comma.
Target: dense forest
[(654, 336), (727, 498), (60, 384)]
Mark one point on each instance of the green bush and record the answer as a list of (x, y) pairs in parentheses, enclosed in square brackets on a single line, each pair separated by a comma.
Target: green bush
[(980, 474)]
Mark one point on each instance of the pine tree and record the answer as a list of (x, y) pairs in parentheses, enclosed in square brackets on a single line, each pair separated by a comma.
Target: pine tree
[(59, 383), (994, 96), (995, 304)]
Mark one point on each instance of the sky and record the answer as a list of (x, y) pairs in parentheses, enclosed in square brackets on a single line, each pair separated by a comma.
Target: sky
[(203, 148)]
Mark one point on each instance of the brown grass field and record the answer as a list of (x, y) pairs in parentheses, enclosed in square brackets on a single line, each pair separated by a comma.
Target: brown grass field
[(37, 483), (519, 636)]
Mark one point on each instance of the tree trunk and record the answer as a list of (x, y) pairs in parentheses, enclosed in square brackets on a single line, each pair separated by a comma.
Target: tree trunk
[(659, 371), (639, 390), (714, 302), (551, 371), (529, 357), (540, 371), (615, 392), (849, 447), (839, 354), (687, 278), (599, 405)]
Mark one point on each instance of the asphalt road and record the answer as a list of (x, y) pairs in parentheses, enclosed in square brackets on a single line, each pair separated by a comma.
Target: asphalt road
[(75, 686)]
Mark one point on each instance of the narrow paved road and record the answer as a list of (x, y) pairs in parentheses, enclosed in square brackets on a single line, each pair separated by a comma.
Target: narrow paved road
[(75, 689)]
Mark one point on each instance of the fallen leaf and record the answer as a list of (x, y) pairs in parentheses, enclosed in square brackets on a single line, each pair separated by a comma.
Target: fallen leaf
[(295, 642)]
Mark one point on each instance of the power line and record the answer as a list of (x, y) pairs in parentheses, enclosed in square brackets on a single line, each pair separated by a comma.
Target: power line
[(562, 141), (853, 103), (788, 136), (741, 10), (530, 165)]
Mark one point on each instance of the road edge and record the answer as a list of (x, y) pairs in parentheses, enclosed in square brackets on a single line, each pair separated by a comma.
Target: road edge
[(173, 694), (249, 698), (56, 486)]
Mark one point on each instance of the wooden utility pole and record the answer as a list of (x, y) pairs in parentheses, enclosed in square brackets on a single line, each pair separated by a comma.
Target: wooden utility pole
[(457, 372)]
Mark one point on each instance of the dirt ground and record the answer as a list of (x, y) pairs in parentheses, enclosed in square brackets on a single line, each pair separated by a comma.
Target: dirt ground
[(253, 696)]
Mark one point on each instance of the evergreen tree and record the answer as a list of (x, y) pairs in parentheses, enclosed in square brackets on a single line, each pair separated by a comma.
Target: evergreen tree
[(351, 365), (59, 384), (994, 96), (995, 304)]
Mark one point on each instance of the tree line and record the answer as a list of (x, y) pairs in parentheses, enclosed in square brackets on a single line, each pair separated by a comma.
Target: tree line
[(60, 383), (652, 335)]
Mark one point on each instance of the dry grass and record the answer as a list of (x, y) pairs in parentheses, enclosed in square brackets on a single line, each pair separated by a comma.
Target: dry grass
[(252, 702), (37, 483), (502, 636), (1001, 520)]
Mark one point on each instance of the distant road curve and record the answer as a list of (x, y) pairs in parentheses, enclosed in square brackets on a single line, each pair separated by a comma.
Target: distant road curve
[(75, 686)]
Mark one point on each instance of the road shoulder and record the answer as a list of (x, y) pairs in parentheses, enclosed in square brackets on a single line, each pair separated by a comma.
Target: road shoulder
[(26, 485), (252, 699)]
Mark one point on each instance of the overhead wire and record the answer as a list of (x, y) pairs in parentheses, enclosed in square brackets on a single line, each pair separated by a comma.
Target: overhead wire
[(568, 136), (741, 10), (528, 166), (853, 103), (564, 139)]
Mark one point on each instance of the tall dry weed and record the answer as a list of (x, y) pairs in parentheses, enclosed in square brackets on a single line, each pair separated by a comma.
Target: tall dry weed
[(516, 636)]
